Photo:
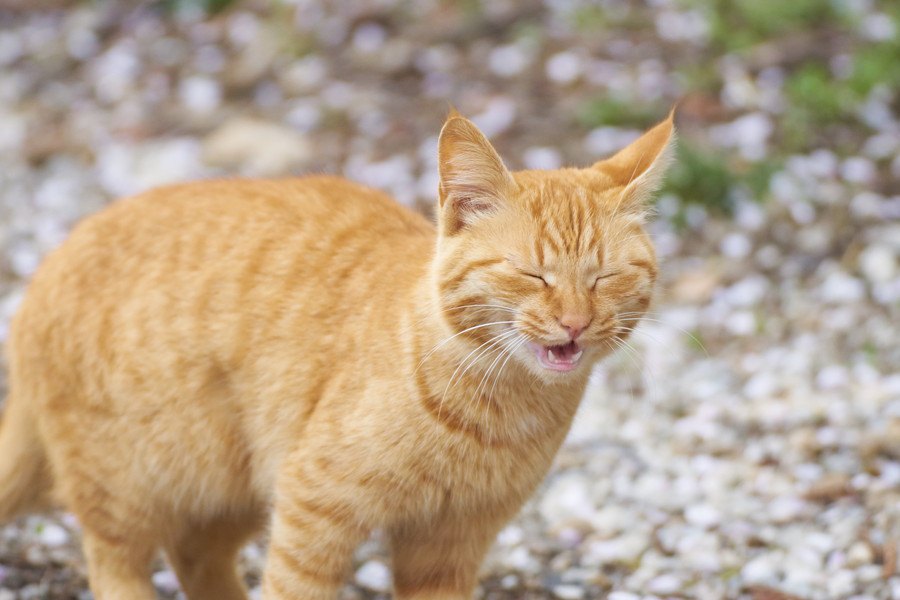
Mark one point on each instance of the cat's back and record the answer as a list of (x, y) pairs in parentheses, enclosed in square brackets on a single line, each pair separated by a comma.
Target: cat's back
[(192, 262)]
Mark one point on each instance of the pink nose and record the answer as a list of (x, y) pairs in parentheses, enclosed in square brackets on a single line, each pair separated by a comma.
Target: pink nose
[(574, 324)]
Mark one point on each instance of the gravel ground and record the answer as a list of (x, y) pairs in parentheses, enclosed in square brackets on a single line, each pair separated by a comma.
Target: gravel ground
[(747, 445)]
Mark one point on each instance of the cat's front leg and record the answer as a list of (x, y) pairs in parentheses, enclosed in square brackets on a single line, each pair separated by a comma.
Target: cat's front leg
[(316, 526), (440, 560)]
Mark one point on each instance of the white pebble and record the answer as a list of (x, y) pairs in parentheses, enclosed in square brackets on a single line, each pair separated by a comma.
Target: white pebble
[(201, 95), (497, 116), (623, 596), (841, 583), (859, 554), (736, 245), (53, 535), (568, 499), (857, 169), (841, 288), (762, 569), (702, 515), (369, 37), (748, 291), (521, 559), (165, 581), (375, 576), (742, 322), (832, 377), (606, 140), (564, 67), (542, 157), (568, 592), (625, 548), (508, 61), (664, 584), (785, 509), (878, 27), (878, 263)]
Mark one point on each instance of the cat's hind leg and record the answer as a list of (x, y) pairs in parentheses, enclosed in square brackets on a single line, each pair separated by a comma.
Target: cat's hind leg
[(204, 558), (121, 531)]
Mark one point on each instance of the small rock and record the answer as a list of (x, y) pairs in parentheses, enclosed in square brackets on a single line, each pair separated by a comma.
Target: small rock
[(664, 584), (832, 377), (564, 67), (497, 117), (885, 443), (568, 592), (857, 169), (166, 581), (542, 158), (878, 263), (767, 593), (263, 148), (508, 61), (375, 576), (623, 596), (841, 288), (369, 37), (696, 286), (53, 535), (736, 245), (568, 500), (200, 94), (829, 488), (623, 549), (762, 569), (702, 515), (859, 554), (785, 509)]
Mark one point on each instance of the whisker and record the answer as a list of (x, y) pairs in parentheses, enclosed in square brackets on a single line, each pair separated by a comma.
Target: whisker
[(682, 330), (493, 341), (446, 341), (515, 347), (477, 396)]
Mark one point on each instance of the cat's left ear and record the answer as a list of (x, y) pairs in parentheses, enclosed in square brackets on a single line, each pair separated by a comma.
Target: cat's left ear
[(474, 180), (639, 168)]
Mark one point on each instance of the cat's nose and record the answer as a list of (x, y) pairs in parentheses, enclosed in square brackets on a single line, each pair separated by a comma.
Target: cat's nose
[(574, 324)]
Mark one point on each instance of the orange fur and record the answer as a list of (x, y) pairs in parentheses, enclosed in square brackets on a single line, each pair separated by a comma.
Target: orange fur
[(204, 359)]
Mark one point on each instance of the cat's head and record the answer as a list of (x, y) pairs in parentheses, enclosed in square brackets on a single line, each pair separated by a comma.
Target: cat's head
[(551, 269)]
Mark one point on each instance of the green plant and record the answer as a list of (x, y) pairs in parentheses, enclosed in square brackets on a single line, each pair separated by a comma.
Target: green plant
[(700, 177), (206, 6), (739, 24), (612, 111)]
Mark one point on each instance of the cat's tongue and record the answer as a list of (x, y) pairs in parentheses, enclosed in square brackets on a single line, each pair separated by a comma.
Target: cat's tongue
[(558, 358)]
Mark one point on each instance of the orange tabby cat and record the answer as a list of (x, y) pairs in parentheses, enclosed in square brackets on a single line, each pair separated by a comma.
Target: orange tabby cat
[(200, 357)]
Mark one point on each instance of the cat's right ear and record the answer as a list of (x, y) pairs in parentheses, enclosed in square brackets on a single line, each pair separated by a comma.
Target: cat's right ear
[(473, 178)]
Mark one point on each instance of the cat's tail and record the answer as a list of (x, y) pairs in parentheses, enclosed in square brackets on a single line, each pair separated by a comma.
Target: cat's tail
[(24, 473)]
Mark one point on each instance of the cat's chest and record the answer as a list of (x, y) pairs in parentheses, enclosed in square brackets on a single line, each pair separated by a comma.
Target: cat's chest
[(508, 457)]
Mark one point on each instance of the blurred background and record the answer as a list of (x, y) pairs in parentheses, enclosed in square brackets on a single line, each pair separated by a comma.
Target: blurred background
[(747, 445)]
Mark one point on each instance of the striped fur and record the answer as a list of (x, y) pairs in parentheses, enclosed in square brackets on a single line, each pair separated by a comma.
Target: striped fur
[(204, 360)]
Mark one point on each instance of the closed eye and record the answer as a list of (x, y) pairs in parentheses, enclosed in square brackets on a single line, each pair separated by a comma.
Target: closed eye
[(604, 276), (534, 276)]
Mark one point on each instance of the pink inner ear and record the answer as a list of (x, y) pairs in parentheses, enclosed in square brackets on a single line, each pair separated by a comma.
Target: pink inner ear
[(463, 208), (469, 205)]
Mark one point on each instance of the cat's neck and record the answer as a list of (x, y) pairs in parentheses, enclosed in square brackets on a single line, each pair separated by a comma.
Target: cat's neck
[(491, 393)]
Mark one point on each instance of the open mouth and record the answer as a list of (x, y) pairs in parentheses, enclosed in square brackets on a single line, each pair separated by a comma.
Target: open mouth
[(558, 358)]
